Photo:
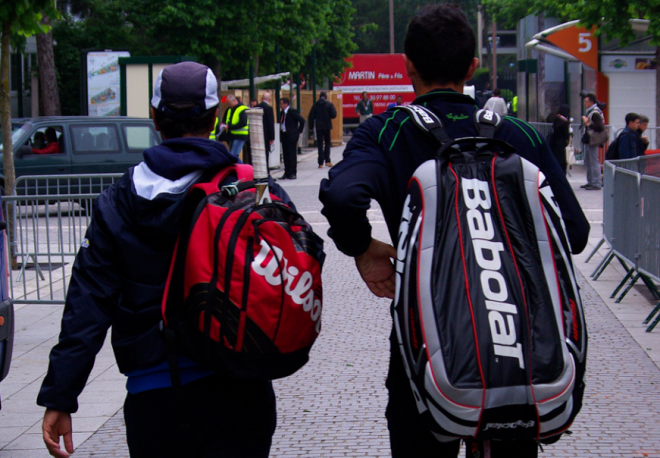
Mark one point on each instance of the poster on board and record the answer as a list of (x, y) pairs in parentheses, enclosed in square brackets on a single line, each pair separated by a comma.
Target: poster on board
[(103, 82)]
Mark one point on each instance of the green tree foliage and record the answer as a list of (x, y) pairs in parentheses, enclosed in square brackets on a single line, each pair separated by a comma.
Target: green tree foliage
[(371, 23), (225, 36)]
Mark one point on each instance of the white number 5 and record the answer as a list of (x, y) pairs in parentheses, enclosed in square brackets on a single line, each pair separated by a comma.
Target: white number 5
[(584, 39)]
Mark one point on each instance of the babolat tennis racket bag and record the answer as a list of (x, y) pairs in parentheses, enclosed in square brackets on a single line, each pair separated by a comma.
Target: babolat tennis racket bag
[(487, 310), (243, 295)]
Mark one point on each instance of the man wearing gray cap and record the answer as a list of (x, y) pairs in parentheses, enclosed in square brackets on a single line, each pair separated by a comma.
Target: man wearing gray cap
[(118, 280)]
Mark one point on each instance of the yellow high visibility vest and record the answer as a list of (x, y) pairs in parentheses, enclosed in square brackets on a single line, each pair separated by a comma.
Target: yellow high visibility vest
[(215, 128), (235, 116)]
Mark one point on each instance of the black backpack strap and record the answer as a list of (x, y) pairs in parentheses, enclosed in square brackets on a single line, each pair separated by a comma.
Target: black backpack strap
[(427, 122), (487, 122)]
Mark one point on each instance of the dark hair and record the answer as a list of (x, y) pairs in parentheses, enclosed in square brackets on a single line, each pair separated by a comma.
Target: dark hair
[(440, 43), (643, 118), (323, 94), (630, 117), (565, 110), (199, 124), (51, 134), (285, 100), (591, 96), (497, 91)]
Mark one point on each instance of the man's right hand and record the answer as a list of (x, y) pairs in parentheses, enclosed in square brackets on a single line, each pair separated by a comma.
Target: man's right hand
[(376, 268), (57, 424)]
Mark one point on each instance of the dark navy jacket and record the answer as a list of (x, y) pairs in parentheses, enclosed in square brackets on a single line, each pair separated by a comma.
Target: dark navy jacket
[(119, 275), (386, 149)]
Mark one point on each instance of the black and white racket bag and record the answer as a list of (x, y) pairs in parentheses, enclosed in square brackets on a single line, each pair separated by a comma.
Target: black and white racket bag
[(487, 310)]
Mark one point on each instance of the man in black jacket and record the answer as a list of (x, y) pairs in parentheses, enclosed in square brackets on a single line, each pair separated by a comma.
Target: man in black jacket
[(320, 117), (291, 125), (378, 163), (118, 280), (269, 123)]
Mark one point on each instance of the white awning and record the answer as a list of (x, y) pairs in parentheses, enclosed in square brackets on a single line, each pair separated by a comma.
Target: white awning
[(224, 85)]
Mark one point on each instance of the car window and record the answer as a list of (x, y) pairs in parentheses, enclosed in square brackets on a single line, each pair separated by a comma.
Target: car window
[(18, 130), (91, 139), (47, 140), (139, 137)]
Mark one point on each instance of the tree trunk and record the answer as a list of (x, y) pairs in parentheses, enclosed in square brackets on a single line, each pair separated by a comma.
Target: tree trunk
[(5, 111), (7, 145), (47, 78)]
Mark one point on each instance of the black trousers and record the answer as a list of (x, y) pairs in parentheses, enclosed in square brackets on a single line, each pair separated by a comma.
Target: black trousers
[(216, 418), (323, 144), (289, 154), (409, 436)]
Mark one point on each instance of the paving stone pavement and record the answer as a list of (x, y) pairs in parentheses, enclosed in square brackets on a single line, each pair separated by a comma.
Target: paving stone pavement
[(334, 406)]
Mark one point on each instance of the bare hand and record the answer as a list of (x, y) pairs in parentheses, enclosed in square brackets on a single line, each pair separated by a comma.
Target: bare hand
[(376, 268), (57, 424), (585, 120)]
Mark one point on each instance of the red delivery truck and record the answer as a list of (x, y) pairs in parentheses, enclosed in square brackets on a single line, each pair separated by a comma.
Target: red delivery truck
[(384, 78)]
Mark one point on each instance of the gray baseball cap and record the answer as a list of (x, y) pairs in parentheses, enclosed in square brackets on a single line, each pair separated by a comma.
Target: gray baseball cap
[(185, 82)]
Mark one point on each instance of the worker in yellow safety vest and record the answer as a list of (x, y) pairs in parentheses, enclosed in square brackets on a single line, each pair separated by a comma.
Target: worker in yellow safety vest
[(235, 122)]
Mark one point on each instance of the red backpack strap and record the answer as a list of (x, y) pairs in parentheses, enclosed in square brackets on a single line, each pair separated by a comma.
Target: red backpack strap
[(243, 172)]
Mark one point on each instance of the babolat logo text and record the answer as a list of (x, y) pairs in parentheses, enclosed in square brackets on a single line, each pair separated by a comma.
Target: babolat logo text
[(276, 271), (482, 231), (512, 425), (427, 119)]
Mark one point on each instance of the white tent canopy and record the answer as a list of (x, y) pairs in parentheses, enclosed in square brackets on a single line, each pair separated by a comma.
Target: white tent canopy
[(224, 85)]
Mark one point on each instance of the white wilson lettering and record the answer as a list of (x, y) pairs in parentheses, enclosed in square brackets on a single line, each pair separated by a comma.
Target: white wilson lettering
[(272, 266)]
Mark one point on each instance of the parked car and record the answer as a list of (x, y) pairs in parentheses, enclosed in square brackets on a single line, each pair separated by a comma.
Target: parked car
[(87, 145)]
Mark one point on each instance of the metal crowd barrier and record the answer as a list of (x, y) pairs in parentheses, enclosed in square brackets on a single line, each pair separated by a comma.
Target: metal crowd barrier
[(631, 225), (50, 217)]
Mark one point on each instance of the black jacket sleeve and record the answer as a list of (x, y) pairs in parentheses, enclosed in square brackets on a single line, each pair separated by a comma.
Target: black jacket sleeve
[(312, 116), (299, 119), (331, 110), (269, 122), (92, 295)]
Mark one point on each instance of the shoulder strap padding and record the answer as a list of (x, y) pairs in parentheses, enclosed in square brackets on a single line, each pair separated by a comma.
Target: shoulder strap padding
[(487, 122), (427, 121)]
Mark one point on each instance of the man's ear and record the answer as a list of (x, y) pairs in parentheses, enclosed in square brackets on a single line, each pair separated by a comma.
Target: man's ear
[(153, 117), (473, 68), (410, 67)]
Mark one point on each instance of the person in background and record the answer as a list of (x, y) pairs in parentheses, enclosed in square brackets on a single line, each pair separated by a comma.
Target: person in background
[(269, 123), (253, 103), (629, 143), (561, 135), (643, 139), (365, 107), (496, 103), (593, 121), (292, 125), (320, 118), (52, 146), (398, 103), (235, 123)]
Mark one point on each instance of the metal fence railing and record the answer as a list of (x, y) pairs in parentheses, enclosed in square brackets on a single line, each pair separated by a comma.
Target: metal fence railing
[(50, 217), (631, 224)]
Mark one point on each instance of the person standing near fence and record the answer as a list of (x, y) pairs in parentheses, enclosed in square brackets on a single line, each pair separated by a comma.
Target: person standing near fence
[(629, 143), (118, 279), (593, 122), (561, 135), (643, 139)]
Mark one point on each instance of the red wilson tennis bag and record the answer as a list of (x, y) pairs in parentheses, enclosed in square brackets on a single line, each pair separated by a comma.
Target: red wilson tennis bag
[(487, 310), (244, 293)]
